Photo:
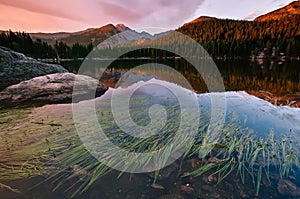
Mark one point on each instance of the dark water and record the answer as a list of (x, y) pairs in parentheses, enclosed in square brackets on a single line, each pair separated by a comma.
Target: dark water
[(277, 77)]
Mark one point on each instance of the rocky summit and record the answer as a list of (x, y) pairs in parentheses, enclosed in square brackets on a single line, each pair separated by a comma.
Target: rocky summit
[(16, 67)]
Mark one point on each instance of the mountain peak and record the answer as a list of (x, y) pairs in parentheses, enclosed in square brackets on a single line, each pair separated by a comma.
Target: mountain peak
[(201, 18), (108, 27), (122, 27), (291, 9)]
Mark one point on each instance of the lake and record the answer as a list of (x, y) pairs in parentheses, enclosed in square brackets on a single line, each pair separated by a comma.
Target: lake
[(255, 156), (275, 76)]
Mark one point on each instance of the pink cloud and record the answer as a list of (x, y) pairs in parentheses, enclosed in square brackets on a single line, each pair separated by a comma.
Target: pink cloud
[(54, 8), (95, 13), (251, 15), (149, 13)]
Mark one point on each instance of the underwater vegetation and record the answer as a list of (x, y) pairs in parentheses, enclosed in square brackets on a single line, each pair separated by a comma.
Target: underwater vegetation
[(51, 147), (238, 150)]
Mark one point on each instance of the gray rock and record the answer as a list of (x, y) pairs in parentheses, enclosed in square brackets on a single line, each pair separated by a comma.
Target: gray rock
[(53, 88), (16, 67)]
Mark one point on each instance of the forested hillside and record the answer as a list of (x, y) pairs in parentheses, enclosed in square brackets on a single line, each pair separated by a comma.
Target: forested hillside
[(222, 38), (22, 42), (244, 38)]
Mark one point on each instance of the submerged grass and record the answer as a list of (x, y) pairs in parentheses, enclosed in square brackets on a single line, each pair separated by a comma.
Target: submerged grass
[(28, 141), (12, 139), (237, 150), (9, 188), (62, 152)]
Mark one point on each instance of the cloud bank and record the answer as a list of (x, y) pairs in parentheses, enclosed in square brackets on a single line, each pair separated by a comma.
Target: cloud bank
[(95, 13)]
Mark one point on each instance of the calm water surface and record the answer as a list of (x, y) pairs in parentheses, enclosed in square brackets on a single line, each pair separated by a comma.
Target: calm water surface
[(280, 77)]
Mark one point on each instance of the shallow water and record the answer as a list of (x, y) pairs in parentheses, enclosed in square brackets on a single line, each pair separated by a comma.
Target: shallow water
[(251, 112), (253, 115)]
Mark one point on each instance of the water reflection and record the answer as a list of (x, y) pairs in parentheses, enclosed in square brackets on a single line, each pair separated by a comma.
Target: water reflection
[(253, 113), (269, 75)]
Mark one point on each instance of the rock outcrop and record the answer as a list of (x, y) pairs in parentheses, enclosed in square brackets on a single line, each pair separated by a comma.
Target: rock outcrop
[(16, 67), (53, 88)]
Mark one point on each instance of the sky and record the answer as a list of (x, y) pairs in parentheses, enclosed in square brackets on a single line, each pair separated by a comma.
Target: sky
[(150, 15)]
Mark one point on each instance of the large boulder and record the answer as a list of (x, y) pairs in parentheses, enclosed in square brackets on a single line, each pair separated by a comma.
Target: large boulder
[(16, 67), (53, 88)]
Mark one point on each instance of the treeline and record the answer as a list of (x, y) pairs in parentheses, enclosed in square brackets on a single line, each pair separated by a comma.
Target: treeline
[(224, 38), (22, 42), (245, 38), (75, 51), (220, 37)]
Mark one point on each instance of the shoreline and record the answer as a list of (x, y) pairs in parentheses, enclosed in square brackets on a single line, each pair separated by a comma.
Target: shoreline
[(291, 100)]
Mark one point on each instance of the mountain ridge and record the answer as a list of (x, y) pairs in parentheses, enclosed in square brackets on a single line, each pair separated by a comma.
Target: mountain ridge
[(98, 35), (90, 35), (95, 35), (291, 9), (200, 19)]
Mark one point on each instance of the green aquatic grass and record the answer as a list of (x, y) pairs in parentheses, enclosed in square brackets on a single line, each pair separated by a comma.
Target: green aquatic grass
[(237, 150), (9, 188), (245, 154), (13, 138), (28, 140), (60, 154)]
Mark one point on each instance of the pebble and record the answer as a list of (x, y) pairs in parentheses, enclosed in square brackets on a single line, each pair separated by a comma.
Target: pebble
[(157, 186), (286, 187), (211, 178), (187, 189)]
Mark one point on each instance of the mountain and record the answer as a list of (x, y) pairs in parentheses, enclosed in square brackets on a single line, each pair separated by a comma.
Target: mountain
[(122, 27), (292, 10), (91, 35), (287, 11), (95, 35), (161, 34), (201, 18), (273, 35)]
